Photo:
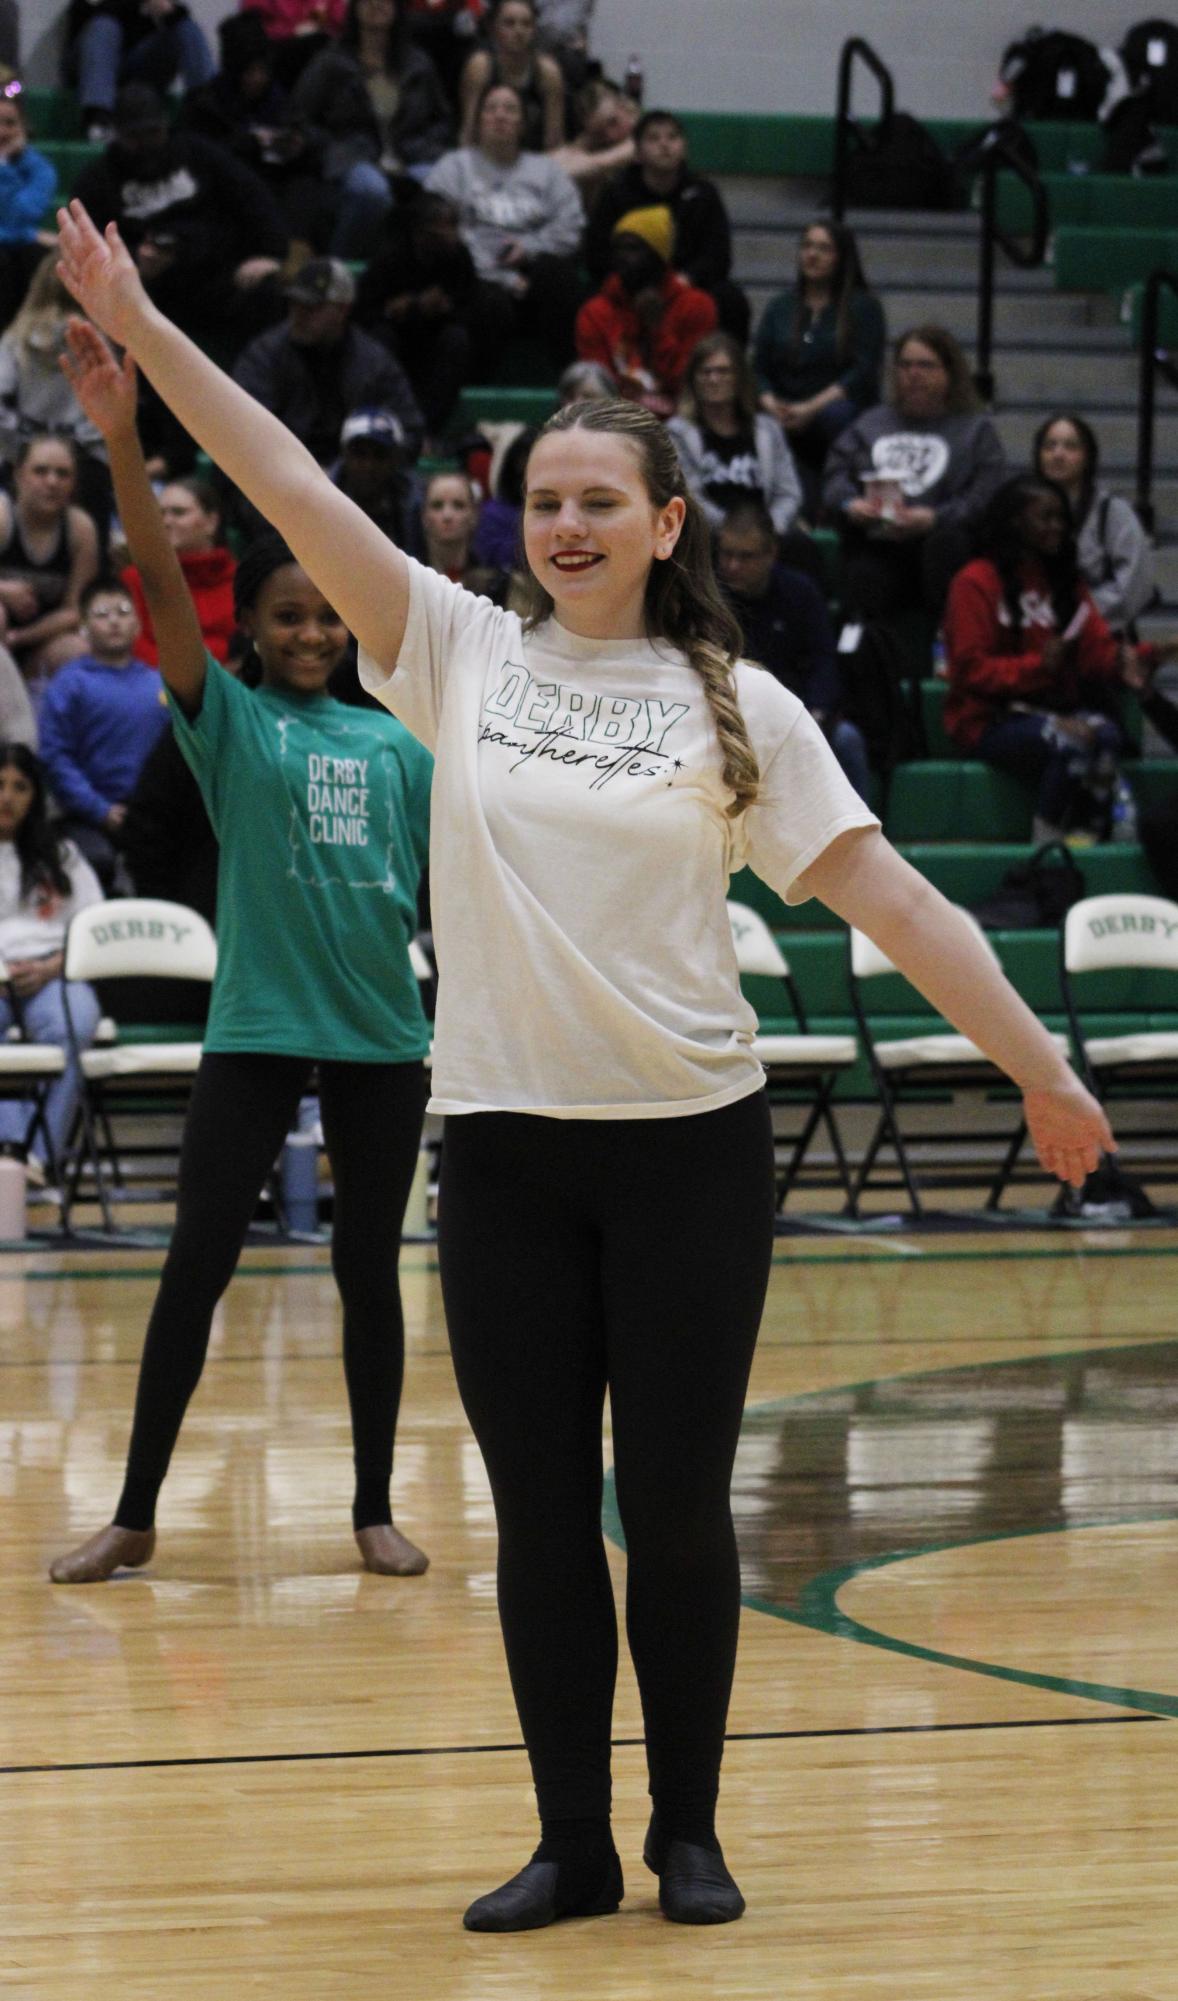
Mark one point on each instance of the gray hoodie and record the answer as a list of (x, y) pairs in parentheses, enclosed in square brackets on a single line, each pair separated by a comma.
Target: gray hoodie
[(533, 201), (1116, 559), (951, 464)]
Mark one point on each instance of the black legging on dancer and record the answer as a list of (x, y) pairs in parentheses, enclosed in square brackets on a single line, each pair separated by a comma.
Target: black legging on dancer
[(630, 1255), (242, 1107)]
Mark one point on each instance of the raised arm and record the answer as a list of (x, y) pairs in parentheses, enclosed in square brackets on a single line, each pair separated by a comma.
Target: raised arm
[(108, 392), (355, 566), (862, 878)]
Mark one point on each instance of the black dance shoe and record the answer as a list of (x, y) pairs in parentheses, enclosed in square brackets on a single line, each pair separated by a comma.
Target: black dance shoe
[(695, 1885), (537, 1897)]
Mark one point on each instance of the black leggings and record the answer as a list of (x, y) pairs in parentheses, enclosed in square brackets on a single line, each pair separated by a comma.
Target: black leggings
[(242, 1108), (633, 1255)]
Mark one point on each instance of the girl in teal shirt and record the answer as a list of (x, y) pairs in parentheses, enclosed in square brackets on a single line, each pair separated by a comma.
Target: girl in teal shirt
[(322, 815)]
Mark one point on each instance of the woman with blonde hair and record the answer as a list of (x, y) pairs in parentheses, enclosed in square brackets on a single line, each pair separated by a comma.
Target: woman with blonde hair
[(731, 450), (34, 393), (603, 762)]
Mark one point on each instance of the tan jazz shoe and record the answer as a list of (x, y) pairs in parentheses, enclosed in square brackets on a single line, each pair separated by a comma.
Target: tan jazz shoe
[(111, 1549), (388, 1553)]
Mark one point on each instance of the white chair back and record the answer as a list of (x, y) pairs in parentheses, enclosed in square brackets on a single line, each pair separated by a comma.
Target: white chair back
[(1107, 931), (757, 950), (867, 961), (139, 936)]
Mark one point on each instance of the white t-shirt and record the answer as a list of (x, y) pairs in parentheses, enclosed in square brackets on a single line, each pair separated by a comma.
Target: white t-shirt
[(33, 927), (580, 856)]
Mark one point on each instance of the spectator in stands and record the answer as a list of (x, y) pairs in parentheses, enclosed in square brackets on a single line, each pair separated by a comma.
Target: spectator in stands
[(521, 220), (786, 626), (191, 515), (374, 103), (498, 537), (206, 233), (729, 449), (449, 518), (298, 30), (662, 176), (44, 881), (1112, 546), (34, 394), (644, 323), (511, 56), (18, 724), (421, 295), (446, 30), (908, 481), (604, 141), (113, 42), (100, 717), (48, 556), (28, 184), (819, 348), (1158, 826), (585, 382), (372, 471), (316, 368), (1034, 671), (245, 110)]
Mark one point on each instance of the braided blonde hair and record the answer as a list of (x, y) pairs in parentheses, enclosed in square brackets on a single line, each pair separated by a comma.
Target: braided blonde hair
[(683, 604)]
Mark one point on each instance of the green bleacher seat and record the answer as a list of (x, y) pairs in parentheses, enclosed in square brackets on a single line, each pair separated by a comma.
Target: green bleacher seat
[(69, 156), (52, 114), (488, 403), (1134, 299), (1092, 201), (1108, 260), (956, 799)]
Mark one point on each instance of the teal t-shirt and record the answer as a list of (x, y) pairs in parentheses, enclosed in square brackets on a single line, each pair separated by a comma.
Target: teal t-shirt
[(322, 813)]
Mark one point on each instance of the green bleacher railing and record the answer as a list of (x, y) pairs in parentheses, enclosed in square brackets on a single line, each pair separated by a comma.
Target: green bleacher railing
[(999, 156)]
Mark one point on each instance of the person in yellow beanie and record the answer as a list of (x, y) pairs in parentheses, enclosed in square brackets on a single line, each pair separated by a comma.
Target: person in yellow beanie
[(645, 321)]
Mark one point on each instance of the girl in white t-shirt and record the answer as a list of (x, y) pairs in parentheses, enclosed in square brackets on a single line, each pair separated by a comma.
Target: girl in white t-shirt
[(607, 1208)]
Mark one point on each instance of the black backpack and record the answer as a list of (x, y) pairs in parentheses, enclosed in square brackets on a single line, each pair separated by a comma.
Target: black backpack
[(1053, 74), (1150, 55), (899, 165), (1035, 894), (1131, 143)]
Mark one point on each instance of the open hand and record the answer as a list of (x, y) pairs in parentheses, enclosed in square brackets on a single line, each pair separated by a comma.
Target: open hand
[(106, 389), (1068, 1129), (100, 273)]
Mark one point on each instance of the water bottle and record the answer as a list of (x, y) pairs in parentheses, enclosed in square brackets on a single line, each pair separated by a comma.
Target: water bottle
[(940, 658), (1123, 818), (13, 1221), (300, 1183), (633, 83)]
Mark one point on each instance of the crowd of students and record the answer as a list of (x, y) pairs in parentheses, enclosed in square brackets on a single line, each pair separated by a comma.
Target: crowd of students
[(359, 208)]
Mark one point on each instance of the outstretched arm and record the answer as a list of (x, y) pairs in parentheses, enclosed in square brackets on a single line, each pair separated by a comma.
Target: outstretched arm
[(107, 392), (355, 566), (862, 878)]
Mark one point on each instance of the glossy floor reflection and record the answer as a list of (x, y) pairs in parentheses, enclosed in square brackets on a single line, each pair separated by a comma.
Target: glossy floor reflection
[(255, 1770)]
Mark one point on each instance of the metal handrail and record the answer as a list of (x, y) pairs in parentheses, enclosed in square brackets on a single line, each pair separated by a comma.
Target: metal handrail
[(846, 127), (1152, 361), (998, 156)]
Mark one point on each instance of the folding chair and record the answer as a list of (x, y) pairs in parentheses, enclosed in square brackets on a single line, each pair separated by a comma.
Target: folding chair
[(800, 1068), (27, 1070), (132, 938), (1127, 935), (922, 1069)]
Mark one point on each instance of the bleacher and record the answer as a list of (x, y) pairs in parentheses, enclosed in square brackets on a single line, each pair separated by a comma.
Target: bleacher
[(1063, 338)]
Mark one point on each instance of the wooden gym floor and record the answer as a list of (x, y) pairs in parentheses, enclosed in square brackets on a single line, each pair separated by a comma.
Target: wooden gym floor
[(253, 1770)]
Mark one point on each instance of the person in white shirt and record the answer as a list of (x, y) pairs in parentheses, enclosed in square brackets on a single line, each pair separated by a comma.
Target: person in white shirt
[(607, 1204), (44, 881)]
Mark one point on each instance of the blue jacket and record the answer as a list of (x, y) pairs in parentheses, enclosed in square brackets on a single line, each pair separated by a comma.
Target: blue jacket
[(98, 724), (27, 187)]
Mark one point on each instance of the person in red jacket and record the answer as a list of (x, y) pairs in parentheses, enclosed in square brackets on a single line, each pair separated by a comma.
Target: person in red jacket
[(1034, 671), (643, 324), (192, 522)]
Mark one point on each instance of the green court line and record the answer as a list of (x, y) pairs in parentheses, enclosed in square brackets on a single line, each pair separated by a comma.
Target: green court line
[(819, 1610)]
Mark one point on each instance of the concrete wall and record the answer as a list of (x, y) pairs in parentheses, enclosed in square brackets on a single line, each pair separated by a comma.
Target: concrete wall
[(770, 55)]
